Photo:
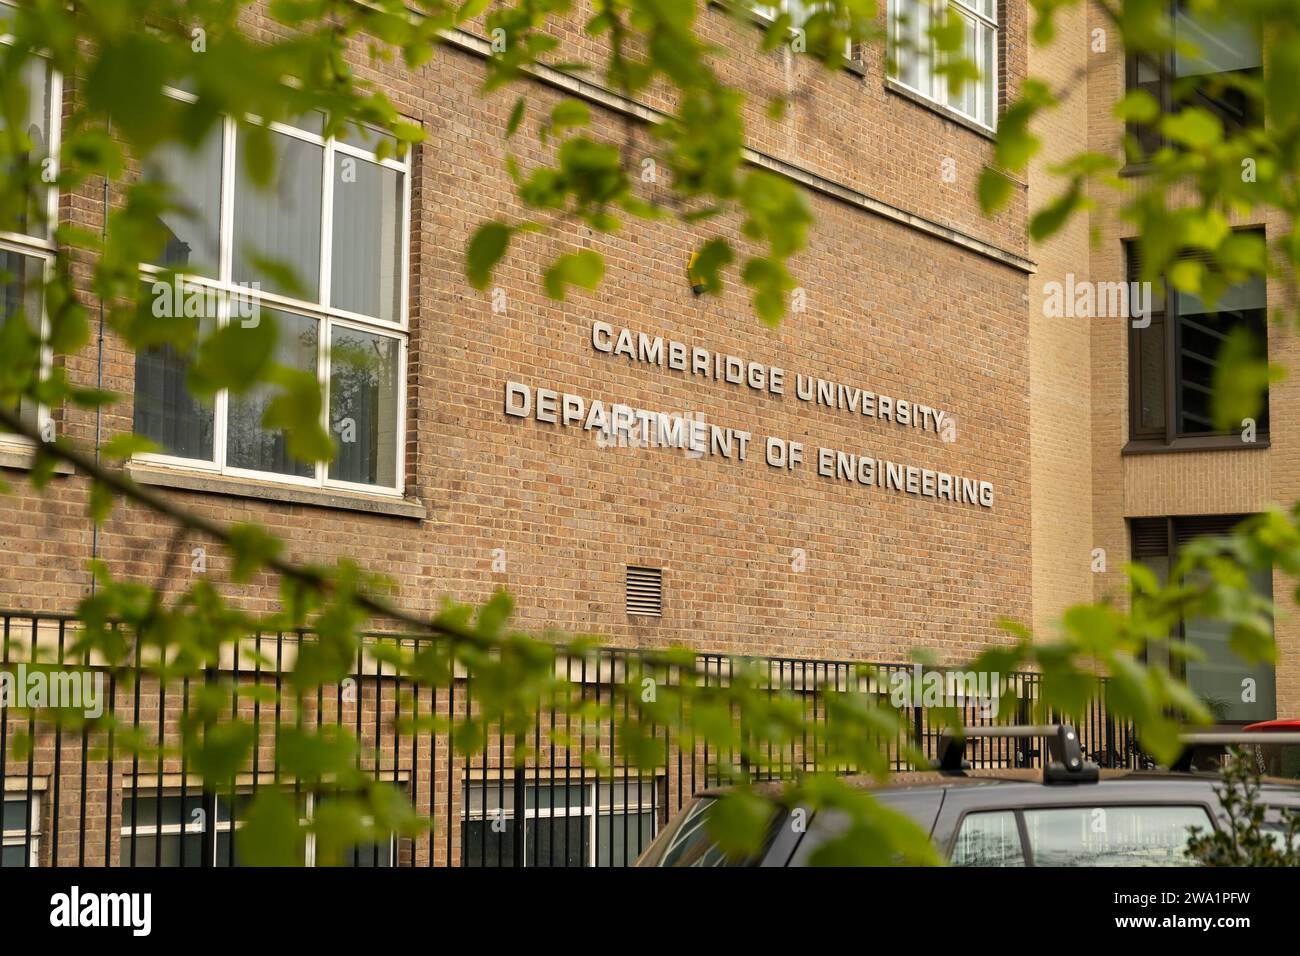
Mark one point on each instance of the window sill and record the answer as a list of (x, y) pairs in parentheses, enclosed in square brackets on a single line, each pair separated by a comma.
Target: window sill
[(18, 457), (1148, 446), (905, 91), (147, 473)]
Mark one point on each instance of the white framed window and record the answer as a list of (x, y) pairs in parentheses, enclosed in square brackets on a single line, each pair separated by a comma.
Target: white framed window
[(800, 11), (27, 244), (915, 57), (20, 830), (171, 832), (336, 219), (566, 823)]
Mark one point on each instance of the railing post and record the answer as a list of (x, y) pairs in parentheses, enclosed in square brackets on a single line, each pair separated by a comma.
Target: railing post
[(517, 837), (209, 836)]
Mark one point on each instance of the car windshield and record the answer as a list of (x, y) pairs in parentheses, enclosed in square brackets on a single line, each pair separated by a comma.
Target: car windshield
[(688, 842)]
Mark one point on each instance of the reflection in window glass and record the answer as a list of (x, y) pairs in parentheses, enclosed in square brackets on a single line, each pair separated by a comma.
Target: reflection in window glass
[(248, 443), (165, 411), (279, 227), (1113, 836), (564, 825), (363, 406), (21, 279), (35, 81), (988, 839), (367, 238), (193, 231), (915, 53), (1218, 678), (1202, 331), (20, 814)]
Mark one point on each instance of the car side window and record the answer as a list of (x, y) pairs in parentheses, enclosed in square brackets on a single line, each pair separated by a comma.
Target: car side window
[(1113, 835), (988, 839)]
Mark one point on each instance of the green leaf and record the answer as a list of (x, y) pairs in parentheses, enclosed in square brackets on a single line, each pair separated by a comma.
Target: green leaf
[(271, 833), (738, 821), (516, 117), (237, 356), (706, 269), (1241, 379), (486, 249), (296, 411), (1193, 127), (126, 444), (251, 549), (585, 269), (1137, 106), (995, 190)]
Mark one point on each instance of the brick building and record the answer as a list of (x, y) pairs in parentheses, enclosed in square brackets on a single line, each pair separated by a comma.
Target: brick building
[(915, 453)]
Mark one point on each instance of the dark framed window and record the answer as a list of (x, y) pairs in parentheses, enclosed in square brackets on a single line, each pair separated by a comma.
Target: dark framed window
[(1234, 691), (1174, 356), (1227, 51)]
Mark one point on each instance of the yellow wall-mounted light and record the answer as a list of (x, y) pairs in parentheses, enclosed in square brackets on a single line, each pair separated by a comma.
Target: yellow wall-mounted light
[(698, 284)]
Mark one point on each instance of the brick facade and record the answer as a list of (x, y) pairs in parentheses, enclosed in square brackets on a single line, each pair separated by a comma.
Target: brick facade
[(910, 292)]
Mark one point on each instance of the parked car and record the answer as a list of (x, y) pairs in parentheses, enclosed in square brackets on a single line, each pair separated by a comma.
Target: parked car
[(1062, 815)]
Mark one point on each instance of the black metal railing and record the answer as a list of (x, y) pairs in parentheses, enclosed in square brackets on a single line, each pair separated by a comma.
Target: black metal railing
[(79, 797)]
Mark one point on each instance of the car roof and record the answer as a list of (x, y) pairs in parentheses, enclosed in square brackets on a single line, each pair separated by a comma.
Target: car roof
[(904, 780)]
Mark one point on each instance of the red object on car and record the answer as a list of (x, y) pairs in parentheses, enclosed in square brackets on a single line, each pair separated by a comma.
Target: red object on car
[(1266, 726)]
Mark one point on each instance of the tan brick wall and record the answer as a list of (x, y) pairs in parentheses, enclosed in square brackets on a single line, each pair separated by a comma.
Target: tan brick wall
[(1060, 373), (1184, 483), (889, 308)]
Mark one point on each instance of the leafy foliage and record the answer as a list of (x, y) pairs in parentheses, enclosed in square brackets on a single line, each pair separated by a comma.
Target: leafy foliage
[(1246, 841), (124, 54)]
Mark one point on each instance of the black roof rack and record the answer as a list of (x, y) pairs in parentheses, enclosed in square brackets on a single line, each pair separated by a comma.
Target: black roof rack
[(1230, 738), (1065, 763)]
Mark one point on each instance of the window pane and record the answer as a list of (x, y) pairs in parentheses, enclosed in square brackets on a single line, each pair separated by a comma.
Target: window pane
[(225, 845), (559, 797), (1232, 689), (23, 278), (988, 74), (1150, 368), (171, 846), (1144, 74), (1224, 49), (248, 444), (363, 407), (368, 138), (482, 846), (1201, 334), (625, 835), (165, 411), (14, 855), (965, 98), (912, 49), (1222, 45), (147, 812), (367, 245), (280, 224), (15, 816), (1113, 836), (193, 231), (35, 79), (370, 855), (557, 841), (988, 839)]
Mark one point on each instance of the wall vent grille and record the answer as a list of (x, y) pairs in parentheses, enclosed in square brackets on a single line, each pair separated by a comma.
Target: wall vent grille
[(645, 591)]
